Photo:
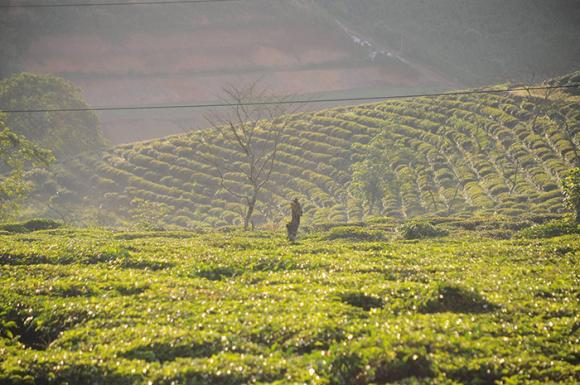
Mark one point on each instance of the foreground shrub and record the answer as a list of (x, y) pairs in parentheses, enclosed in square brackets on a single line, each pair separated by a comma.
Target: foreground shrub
[(33, 326), (317, 312), (550, 229), (364, 301), (379, 220), (571, 187), (30, 225), (354, 233), (365, 362), (456, 299), (419, 230)]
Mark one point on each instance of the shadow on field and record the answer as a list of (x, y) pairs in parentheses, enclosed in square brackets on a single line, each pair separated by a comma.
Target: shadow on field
[(38, 333), (455, 299)]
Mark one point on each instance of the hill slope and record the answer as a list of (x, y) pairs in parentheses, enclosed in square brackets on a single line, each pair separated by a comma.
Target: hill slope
[(184, 53), (475, 42), (492, 153)]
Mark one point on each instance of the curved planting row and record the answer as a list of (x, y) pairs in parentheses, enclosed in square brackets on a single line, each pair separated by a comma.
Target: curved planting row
[(477, 153)]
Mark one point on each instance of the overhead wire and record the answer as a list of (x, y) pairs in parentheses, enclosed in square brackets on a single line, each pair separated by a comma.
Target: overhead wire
[(293, 101), (218, 105), (114, 3)]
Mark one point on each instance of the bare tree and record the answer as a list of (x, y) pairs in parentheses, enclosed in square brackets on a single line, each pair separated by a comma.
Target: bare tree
[(550, 111), (543, 97), (253, 125), (570, 132), (511, 177)]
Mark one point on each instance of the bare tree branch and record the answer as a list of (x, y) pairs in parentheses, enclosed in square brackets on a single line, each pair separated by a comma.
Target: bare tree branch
[(255, 131)]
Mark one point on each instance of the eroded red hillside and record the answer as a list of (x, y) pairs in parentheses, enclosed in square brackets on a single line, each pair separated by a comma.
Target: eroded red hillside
[(292, 51)]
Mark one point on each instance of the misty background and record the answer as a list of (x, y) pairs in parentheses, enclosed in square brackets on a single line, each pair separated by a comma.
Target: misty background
[(186, 53)]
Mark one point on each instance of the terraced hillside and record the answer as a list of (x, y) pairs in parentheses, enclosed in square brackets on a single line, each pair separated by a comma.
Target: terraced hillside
[(491, 153)]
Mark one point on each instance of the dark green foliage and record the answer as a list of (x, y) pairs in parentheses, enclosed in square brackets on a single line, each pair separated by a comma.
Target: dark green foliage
[(131, 289), (551, 229), (478, 373), (30, 225), (35, 328), (420, 230), (216, 273), (79, 373), (405, 366), (454, 298), (64, 133), (369, 362), (163, 352), (354, 233), (41, 224), (571, 187), (362, 300), (17, 154)]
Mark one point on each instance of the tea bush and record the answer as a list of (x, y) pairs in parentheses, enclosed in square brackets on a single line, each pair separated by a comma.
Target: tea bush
[(454, 298), (30, 225), (364, 301), (355, 233), (419, 230), (102, 307), (550, 229)]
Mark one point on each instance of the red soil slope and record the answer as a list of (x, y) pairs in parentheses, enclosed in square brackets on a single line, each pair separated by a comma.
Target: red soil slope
[(292, 53)]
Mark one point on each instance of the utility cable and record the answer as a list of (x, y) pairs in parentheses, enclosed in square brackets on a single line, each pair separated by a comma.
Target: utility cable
[(302, 101), (115, 3)]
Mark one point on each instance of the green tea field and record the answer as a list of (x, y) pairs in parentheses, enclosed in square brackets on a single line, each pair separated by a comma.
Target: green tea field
[(299, 192), (481, 154), (344, 306)]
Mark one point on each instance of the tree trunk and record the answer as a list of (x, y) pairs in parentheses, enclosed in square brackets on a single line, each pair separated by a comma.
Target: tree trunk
[(371, 206), (250, 211)]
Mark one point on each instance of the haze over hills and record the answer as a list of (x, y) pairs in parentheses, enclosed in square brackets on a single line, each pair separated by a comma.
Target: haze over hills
[(184, 54), (471, 41), (429, 237), (181, 54), (477, 154)]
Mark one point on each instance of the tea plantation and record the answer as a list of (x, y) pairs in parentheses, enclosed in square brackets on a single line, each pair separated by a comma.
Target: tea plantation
[(339, 307), (502, 153)]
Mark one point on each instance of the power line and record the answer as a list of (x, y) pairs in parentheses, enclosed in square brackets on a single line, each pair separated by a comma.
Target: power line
[(115, 3), (303, 101)]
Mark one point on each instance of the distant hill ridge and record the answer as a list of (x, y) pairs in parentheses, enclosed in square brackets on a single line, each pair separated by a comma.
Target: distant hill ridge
[(488, 153)]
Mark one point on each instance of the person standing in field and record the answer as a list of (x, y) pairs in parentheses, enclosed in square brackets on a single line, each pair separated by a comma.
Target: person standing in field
[(292, 226)]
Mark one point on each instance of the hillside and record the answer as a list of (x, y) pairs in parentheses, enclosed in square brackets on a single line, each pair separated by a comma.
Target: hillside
[(476, 154), (474, 42), (184, 54)]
